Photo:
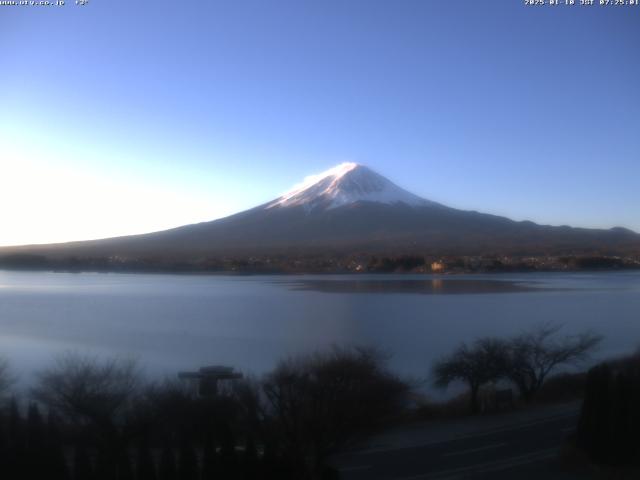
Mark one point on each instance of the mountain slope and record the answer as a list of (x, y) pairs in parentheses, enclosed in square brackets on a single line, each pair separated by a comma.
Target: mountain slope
[(350, 209)]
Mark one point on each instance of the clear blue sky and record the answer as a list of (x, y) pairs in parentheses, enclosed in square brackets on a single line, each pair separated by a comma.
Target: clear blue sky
[(129, 116)]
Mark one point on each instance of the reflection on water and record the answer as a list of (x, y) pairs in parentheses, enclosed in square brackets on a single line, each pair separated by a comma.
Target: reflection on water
[(427, 287)]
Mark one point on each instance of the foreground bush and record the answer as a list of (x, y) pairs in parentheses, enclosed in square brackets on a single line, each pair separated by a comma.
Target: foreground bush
[(610, 417), (325, 401)]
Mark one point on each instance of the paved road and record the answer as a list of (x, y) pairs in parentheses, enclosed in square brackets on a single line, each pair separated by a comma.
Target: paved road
[(522, 450)]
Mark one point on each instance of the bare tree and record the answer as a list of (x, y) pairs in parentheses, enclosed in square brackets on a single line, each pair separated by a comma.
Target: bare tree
[(323, 401), (94, 395), (533, 355), (483, 361), (6, 379), (85, 389)]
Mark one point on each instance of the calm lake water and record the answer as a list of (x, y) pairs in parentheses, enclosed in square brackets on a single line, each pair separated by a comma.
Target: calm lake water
[(175, 322)]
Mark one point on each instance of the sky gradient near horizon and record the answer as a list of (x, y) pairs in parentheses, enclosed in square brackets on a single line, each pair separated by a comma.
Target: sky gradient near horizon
[(126, 117)]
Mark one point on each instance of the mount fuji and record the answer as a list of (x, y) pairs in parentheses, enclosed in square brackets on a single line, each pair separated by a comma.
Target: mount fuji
[(349, 209)]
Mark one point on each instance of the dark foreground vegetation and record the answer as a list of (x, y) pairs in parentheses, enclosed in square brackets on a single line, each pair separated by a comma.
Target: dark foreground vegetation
[(610, 417), (94, 419)]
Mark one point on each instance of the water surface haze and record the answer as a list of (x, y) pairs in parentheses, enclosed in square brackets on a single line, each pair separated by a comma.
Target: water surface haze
[(173, 322)]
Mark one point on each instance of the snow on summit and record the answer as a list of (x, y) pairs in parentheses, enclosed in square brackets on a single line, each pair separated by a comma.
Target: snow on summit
[(345, 184)]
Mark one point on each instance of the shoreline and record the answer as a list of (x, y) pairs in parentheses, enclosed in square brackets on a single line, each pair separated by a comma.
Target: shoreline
[(324, 273)]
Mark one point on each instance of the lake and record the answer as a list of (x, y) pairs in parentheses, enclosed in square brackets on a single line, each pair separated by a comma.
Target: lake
[(176, 322)]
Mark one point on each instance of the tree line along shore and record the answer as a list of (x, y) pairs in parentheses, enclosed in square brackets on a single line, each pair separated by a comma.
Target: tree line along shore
[(324, 263)]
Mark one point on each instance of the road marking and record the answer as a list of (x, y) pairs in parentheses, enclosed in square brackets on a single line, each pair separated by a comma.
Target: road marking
[(474, 450), (487, 467)]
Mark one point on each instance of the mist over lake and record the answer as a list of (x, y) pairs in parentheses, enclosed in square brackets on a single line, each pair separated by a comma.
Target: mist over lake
[(175, 322)]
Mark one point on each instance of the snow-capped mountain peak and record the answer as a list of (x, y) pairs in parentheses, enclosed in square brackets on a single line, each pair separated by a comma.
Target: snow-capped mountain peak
[(345, 184)]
